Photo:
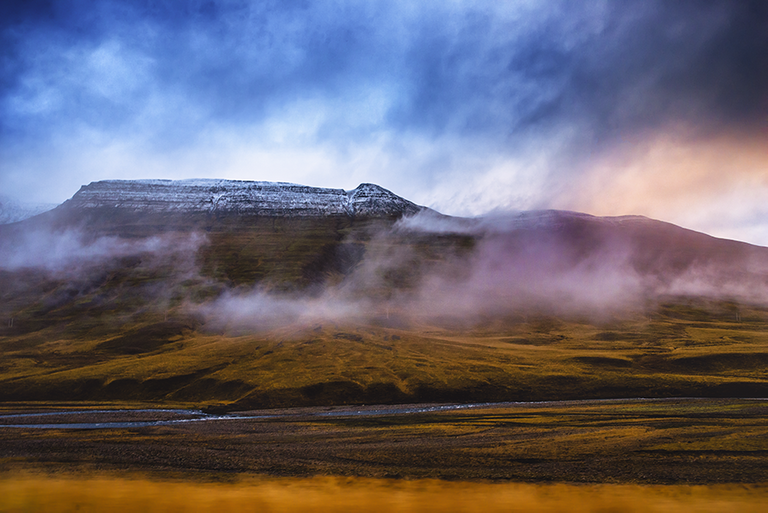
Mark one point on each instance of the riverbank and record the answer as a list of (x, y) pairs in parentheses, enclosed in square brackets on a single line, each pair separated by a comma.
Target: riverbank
[(637, 441)]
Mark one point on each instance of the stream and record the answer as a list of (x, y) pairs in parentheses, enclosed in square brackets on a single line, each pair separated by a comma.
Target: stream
[(138, 418)]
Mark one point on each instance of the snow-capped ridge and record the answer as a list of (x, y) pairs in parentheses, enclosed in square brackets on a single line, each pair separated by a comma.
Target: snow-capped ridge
[(12, 211), (218, 196)]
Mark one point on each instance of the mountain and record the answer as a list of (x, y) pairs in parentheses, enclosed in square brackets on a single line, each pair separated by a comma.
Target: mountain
[(223, 197), (142, 208), (288, 237), (12, 211), (638, 255), (275, 294)]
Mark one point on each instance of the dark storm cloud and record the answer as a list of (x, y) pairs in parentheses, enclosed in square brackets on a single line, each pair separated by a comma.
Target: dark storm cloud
[(228, 62), (432, 90), (608, 68), (464, 67)]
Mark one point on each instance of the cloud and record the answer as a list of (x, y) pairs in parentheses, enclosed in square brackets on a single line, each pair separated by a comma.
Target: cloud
[(427, 269), (467, 106), (670, 176), (72, 252), (508, 267)]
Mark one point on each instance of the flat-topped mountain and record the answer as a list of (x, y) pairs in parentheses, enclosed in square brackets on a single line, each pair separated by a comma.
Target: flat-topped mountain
[(221, 197), (290, 235), (264, 294)]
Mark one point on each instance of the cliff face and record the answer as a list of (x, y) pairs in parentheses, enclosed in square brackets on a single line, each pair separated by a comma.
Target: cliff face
[(240, 197)]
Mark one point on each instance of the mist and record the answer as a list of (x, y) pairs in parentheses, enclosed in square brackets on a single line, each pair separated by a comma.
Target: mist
[(72, 252), (508, 267), (53, 273), (425, 269)]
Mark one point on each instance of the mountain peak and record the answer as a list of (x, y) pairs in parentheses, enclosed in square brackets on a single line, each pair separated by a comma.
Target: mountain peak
[(371, 200), (12, 211), (218, 196)]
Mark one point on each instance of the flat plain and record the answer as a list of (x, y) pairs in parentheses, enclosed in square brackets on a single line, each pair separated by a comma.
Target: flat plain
[(675, 441)]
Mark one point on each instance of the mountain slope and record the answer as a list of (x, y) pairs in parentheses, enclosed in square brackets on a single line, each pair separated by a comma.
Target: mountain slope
[(275, 294)]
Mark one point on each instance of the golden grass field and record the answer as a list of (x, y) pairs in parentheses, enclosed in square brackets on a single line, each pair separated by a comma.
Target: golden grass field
[(680, 350), (32, 493)]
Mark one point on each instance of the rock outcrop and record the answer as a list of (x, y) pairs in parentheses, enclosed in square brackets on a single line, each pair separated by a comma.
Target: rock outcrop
[(240, 197)]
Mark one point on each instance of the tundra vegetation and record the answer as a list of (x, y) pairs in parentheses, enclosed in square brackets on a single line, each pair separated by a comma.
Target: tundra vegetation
[(290, 312)]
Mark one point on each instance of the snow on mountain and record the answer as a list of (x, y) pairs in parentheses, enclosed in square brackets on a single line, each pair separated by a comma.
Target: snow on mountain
[(12, 211), (240, 197)]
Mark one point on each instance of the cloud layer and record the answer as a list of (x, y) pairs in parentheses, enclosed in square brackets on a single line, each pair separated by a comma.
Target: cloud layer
[(516, 268), (427, 269), (465, 106)]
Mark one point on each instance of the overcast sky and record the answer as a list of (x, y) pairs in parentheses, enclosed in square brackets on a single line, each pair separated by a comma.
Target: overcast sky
[(606, 107)]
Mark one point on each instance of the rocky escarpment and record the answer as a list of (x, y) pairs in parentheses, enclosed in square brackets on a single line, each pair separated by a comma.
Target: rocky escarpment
[(240, 197)]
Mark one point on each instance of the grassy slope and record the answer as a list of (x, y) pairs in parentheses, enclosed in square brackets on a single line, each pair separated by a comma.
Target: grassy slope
[(333, 364), (120, 332)]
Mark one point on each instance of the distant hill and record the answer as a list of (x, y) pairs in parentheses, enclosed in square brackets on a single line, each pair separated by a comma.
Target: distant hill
[(12, 211)]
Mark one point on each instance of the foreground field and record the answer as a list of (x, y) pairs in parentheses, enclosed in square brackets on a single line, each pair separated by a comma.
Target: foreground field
[(30, 493), (683, 441)]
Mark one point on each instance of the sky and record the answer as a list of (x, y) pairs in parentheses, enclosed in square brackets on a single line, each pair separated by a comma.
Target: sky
[(621, 107)]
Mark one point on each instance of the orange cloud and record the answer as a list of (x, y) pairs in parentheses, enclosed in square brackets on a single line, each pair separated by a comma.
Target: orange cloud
[(718, 185)]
